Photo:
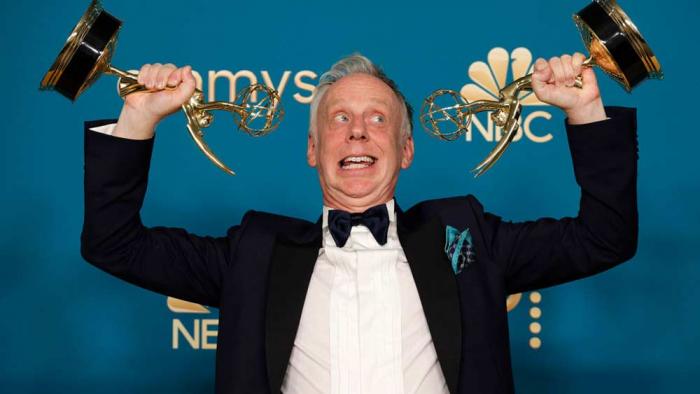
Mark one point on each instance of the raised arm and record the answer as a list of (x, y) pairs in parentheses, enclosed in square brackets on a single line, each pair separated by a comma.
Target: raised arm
[(549, 251), (166, 260), (603, 144)]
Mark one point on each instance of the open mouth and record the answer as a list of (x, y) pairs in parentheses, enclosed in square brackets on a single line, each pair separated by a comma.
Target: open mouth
[(357, 162)]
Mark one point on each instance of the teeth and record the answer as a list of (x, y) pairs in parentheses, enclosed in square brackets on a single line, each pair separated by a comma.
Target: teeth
[(352, 162), (354, 166), (359, 159)]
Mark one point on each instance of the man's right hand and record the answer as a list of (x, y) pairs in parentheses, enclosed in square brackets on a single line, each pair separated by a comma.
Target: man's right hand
[(170, 88)]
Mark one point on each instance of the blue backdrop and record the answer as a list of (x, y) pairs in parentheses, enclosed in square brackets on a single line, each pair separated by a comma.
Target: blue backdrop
[(67, 327)]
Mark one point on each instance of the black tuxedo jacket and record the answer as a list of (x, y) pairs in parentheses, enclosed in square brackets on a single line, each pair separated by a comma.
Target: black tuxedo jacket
[(258, 274)]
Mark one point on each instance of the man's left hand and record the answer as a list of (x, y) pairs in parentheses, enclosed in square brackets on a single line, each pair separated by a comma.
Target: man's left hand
[(553, 83)]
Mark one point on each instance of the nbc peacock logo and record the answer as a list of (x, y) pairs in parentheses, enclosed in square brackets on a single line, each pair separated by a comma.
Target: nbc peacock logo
[(488, 79)]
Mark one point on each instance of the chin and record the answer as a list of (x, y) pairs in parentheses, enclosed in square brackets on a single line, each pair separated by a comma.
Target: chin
[(358, 188)]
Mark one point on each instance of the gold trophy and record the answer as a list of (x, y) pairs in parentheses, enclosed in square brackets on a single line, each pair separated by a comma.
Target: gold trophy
[(87, 55), (615, 46)]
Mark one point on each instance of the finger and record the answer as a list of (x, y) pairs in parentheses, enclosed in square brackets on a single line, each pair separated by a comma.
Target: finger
[(164, 74), (568, 70), (542, 72), (559, 76), (143, 72), (150, 78)]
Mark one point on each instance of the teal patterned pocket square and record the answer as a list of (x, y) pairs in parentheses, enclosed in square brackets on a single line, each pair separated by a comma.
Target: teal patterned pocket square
[(459, 249)]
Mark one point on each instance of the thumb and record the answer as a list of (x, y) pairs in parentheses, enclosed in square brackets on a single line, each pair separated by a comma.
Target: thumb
[(589, 77), (186, 88)]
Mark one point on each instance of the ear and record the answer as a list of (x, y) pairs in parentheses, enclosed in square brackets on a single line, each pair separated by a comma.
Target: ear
[(311, 151), (407, 153)]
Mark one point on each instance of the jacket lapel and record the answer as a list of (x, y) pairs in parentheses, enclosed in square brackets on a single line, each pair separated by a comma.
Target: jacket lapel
[(423, 245), (290, 273)]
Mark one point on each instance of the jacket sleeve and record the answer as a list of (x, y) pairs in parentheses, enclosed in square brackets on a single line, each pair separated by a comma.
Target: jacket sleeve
[(170, 261), (546, 251)]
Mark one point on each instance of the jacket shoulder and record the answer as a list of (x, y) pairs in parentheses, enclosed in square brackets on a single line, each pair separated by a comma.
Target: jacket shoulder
[(454, 211), (266, 224), (444, 206)]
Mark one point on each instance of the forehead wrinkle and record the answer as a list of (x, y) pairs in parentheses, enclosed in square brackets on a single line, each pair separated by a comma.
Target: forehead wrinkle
[(339, 100)]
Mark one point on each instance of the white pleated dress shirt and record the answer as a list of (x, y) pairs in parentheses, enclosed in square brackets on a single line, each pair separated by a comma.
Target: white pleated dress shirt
[(362, 328)]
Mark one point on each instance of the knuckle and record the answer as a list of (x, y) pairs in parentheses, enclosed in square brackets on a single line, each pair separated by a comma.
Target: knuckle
[(560, 75)]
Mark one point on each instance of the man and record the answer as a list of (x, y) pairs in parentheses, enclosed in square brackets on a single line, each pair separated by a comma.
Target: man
[(389, 301)]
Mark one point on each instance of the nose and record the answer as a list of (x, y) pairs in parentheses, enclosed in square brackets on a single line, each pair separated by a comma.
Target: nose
[(358, 130)]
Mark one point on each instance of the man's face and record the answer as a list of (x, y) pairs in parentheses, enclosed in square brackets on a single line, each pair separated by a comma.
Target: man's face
[(359, 148)]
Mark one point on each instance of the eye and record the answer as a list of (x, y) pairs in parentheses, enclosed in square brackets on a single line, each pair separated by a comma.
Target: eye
[(377, 118), (341, 117)]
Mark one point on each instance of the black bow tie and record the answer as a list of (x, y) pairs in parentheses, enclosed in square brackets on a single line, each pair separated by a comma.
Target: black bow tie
[(376, 219)]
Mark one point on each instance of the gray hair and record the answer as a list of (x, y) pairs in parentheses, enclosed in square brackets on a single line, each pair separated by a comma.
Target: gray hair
[(357, 64)]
